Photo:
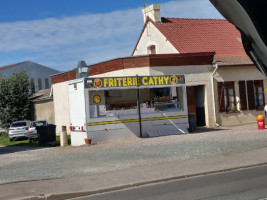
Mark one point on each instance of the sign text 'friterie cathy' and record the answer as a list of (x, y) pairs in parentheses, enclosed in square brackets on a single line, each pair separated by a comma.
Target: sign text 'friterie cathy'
[(133, 81)]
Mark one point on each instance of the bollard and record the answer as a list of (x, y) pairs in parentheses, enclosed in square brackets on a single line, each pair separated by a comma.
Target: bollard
[(63, 137), (260, 122)]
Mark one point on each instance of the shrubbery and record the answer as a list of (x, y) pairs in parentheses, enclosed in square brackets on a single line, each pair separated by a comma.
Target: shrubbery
[(14, 98)]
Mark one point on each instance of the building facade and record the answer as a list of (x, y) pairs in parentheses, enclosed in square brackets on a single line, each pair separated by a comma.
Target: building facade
[(235, 85), (118, 102), (43, 106), (39, 74)]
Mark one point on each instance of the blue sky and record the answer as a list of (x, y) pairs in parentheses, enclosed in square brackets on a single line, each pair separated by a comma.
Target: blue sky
[(59, 33)]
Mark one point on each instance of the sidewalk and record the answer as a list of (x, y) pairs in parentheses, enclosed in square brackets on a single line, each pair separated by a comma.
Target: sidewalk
[(60, 173), (108, 181)]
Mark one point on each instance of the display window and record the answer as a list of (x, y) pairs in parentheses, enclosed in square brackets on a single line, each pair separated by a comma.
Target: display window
[(121, 99), (167, 98), (124, 101)]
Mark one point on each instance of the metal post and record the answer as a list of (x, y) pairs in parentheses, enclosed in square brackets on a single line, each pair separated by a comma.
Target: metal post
[(138, 106)]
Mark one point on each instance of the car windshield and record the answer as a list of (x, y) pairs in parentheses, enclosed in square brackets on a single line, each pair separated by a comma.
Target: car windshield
[(19, 124), (39, 123)]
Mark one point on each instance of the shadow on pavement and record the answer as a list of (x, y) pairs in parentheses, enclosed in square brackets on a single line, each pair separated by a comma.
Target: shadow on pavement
[(205, 129), (14, 149), (19, 145)]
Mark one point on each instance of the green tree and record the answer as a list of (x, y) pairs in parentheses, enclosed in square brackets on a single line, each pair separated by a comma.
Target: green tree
[(14, 97)]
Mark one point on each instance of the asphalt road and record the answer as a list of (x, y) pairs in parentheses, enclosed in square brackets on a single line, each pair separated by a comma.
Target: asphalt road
[(243, 184)]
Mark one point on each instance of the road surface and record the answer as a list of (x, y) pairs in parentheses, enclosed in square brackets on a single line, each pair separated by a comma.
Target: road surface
[(239, 184)]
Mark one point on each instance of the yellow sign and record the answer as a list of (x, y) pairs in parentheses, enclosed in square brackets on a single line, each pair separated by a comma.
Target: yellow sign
[(120, 82), (131, 81), (96, 99)]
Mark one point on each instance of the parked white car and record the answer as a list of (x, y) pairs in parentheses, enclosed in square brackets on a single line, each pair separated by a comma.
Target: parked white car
[(32, 132), (18, 129)]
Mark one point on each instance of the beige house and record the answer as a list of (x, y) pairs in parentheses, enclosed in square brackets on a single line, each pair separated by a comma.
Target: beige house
[(43, 106), (233, 83)]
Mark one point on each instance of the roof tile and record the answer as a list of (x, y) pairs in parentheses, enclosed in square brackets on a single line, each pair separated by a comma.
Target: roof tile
[(203, 35)]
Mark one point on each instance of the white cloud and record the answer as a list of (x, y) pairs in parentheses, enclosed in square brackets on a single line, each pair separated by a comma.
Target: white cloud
[(60, 43)]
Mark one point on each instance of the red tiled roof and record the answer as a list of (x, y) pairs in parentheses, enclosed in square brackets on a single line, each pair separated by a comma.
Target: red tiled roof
[(233, 60), (202, 35), (8, 66)]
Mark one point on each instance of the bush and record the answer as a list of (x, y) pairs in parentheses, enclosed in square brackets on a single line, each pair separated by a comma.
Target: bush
[(14, 98)]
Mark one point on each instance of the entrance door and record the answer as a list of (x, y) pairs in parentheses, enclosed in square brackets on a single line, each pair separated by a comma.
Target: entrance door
[(191, 106), (200, 105)]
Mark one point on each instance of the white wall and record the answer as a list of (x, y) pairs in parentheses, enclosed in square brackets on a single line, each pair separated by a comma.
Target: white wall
[(152, 36), (61, 106), (44, 110), (77, 103), (238, 73), (126, 72)]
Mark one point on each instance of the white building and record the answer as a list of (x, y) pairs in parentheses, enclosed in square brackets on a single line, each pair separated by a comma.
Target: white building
[(39, 74), (115, 115)]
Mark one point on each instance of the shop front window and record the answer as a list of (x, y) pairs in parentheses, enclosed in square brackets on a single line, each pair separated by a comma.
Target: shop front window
[(112, 103), (121, 99), (162, 99)]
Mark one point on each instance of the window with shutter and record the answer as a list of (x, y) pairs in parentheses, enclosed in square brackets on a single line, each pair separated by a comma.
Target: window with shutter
[(243, 95), (220, 92), (259, 94), (226, 96), (251, 95), (229, 96)]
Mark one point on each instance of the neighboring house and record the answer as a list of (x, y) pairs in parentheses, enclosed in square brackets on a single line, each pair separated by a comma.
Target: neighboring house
[(234, 83), (39, 74), (43, 106)]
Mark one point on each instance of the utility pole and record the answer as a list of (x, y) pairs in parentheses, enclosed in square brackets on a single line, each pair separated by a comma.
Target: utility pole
[(138, 106)]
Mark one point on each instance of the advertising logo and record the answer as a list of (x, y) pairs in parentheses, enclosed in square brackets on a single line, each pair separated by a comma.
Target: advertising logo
[(96, 99), (173, 80), (97, 83)]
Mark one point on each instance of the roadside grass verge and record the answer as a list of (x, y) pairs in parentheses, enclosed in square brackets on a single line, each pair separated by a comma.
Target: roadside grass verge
[(4, 141)]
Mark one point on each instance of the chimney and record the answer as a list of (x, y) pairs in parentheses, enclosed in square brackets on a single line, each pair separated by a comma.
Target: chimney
[(82, 70), (153, 12)]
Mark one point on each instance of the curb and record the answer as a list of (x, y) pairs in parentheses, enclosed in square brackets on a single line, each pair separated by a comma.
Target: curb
[(127, 186)]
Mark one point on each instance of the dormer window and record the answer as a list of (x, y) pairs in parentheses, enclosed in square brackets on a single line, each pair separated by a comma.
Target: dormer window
[(151, 49)]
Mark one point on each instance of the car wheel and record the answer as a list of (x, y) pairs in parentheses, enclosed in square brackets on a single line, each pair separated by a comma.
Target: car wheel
[(11, 139)]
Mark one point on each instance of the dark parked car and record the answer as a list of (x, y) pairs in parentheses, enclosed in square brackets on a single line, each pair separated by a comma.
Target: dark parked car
[(32, 133)]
